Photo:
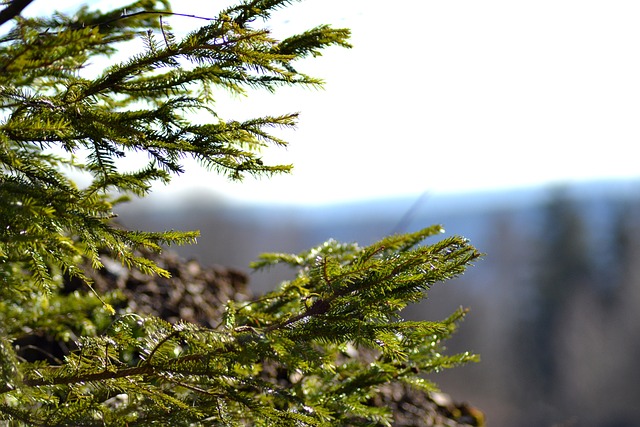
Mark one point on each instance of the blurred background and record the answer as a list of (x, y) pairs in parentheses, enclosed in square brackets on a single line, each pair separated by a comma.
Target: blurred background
[(514, 124), (553, 303)]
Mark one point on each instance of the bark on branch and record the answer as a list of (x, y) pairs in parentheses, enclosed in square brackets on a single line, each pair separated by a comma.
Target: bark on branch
[(14, 9)]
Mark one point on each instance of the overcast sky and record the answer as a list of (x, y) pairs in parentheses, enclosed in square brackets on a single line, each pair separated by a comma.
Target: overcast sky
[(448, 96)]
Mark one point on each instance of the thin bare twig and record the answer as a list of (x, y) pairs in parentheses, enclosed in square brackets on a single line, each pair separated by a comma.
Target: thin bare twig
[(156, 12)]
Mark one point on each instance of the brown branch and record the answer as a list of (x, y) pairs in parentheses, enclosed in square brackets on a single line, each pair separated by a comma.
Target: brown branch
[(99, 376), (9, 16), (189, 386), (146, 368), (155, 12), (164, 35), (14, 9), (318, 308)]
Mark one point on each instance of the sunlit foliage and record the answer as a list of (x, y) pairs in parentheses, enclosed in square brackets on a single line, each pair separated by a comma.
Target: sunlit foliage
[(335, 330)]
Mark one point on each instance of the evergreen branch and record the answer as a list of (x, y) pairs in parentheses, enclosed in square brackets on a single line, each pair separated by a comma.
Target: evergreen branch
[(25, 416), (286, 359), (91, 377)]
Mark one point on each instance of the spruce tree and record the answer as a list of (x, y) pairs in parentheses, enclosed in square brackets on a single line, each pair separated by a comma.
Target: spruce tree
[(335, 329)]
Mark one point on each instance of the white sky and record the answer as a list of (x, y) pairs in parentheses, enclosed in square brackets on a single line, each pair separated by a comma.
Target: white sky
[(448, 96)]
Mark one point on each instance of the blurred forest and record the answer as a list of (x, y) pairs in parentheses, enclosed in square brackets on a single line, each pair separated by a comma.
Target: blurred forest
[(553, 303)]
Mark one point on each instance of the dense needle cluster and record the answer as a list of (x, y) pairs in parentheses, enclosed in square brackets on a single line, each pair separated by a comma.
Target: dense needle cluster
[(124, 368)]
